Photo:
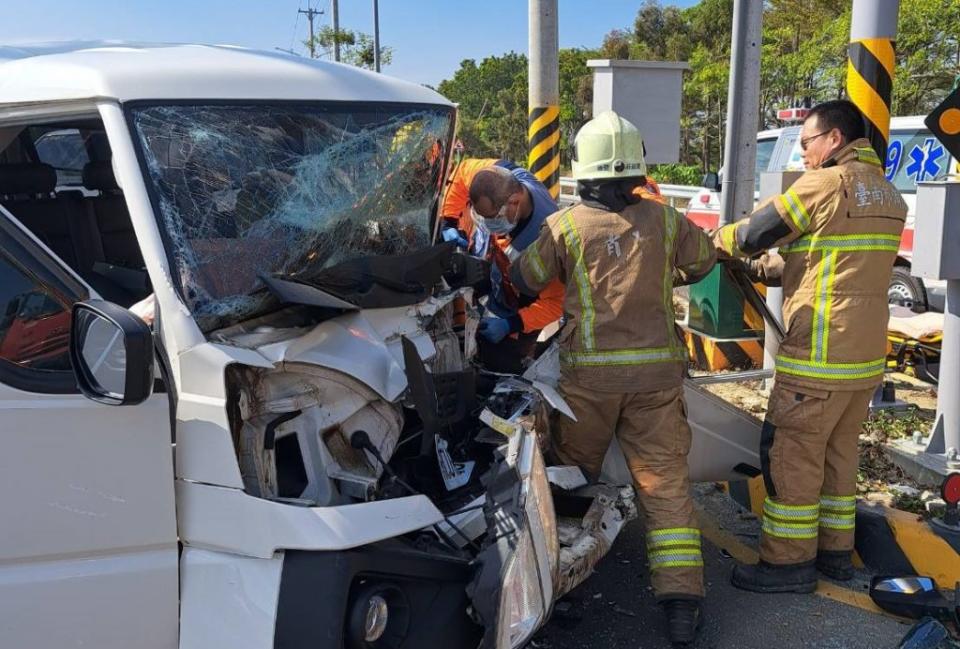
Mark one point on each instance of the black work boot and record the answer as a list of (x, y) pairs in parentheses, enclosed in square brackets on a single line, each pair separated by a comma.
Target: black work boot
[(766, 577), (683, 620), (836, 564)]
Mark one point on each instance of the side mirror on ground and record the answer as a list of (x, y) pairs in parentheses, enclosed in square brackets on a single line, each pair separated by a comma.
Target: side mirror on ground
[(112, 353), (711, 180)]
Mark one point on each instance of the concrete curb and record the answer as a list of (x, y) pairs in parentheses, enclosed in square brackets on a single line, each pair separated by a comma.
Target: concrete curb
[(888, 541)]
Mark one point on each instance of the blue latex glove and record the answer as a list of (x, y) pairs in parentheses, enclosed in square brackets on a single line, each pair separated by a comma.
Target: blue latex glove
[(452, 234), (498, 309), (494, 329)]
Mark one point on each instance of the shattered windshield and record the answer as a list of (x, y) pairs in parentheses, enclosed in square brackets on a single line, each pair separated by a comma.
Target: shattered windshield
[(251, 191)]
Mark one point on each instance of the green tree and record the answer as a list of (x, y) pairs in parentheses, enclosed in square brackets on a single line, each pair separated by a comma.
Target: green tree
[(492, 105), (928, 54), (804, 61), (356, 48)]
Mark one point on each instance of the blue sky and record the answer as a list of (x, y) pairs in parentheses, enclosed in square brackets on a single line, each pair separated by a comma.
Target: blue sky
[(429, 37)]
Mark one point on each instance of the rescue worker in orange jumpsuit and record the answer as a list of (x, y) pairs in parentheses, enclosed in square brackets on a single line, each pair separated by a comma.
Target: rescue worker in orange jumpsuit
[(838, 231), (622, 360), (494, 210)]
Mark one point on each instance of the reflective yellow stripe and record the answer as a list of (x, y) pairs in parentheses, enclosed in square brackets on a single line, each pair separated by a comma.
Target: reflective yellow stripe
[(673, 552), (587, 315), (623, 357), (728, 239), (673, 543), (844, 243), (536, 264), (670, 228), (824, 370), (841, 522), (674, 547), (789, 530), (703, 256), (791, 513), (820, 333), (838, 503), (673, 534), (838, 512), (868, 156), (796, 210), (677, 564)]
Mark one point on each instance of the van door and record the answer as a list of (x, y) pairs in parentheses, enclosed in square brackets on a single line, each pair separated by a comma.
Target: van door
[(88, 538)]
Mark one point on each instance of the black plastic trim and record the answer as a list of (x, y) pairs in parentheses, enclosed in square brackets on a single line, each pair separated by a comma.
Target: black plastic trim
[(767, 433), (318, 589), (138, 347)]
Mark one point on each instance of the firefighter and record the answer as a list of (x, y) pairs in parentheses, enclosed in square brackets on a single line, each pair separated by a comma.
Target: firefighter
[(495, 209), (622, 360), (838, 231)]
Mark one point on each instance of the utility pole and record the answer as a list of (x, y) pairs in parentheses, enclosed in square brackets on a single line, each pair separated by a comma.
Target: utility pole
[(335, 10), (743, 107), (544, 119), (873, 30), (310, 12), (376, 35)]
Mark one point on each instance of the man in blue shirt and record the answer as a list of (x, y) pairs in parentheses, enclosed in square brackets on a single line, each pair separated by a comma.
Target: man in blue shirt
[(506, 207)]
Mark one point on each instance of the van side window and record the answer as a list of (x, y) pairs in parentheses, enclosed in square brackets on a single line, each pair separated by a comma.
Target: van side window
[(35, 304), (764, 154), (35, 322), (65, 151)]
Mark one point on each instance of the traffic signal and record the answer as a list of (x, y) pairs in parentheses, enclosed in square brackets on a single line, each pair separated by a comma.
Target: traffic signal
[(944, 123)]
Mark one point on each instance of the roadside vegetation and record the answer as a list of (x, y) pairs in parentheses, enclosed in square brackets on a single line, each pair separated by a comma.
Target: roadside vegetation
[(804, 61)]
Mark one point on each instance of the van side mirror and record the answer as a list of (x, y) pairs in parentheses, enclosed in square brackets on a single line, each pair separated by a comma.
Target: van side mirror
[(711, 180), (112, 353), (911, 596)]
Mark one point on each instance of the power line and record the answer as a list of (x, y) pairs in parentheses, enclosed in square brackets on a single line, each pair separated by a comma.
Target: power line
[(293, 35)]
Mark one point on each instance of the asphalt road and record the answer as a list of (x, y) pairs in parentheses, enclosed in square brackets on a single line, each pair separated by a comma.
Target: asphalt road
[(615, 608)]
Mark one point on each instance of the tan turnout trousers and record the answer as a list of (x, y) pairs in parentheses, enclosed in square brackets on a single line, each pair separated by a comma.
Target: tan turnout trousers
[(652, 430), (808, 450)]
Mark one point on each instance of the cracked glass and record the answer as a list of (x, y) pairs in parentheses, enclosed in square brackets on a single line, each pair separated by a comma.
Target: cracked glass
[(249, 191)]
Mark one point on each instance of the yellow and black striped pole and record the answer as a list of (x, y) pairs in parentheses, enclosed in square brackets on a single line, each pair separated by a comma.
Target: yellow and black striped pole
[(544, 137), (870, 69), (544, 127)]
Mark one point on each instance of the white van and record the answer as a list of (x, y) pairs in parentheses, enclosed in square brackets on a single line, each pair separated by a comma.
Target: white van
[(914, 155), (278, 209)]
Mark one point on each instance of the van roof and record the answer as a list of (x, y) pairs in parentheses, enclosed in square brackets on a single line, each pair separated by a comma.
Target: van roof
[(133, 71), (896, 123)]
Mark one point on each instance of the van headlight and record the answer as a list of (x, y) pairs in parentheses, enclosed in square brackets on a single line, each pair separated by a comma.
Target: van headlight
[(521, 600), (542, 520)]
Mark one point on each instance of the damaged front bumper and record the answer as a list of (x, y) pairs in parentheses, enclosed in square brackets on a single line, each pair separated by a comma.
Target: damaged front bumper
[(539, 550)]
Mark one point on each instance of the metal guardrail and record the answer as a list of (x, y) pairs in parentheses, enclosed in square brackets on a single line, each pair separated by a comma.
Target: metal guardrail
[(678, 196)]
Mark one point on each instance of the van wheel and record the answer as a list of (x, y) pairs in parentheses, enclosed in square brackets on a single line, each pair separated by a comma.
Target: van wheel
[(906, 290)]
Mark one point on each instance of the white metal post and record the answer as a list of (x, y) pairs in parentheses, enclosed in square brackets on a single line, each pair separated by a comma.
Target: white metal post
[(743, 112)]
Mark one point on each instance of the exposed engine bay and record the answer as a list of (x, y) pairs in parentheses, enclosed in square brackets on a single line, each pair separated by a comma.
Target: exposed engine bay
[(319, 431)]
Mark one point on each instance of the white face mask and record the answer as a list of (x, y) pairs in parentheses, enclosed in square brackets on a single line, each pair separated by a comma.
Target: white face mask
[(500, 224)]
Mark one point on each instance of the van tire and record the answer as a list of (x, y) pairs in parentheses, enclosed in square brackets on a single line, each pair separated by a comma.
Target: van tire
[(907, 290)]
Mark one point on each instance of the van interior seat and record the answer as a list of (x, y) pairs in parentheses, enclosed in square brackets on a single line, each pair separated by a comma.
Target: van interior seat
[(27, 191), (68, 225), (118, 240)]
